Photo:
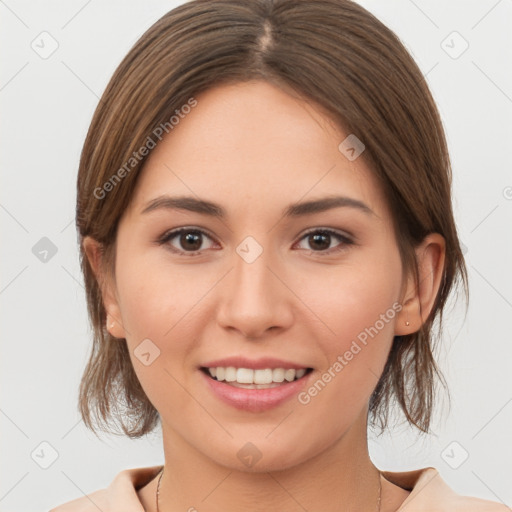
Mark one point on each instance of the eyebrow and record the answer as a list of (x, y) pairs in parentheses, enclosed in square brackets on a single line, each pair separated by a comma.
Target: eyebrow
[(204, 207)]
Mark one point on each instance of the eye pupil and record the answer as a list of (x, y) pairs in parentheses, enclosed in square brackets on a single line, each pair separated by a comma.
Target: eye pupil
[(191, 239), (318, 238)]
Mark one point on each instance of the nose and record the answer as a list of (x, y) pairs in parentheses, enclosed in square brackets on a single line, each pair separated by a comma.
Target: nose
[(255, 298)]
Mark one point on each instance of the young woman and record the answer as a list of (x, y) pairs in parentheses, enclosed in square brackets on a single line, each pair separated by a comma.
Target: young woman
[(267, 240)]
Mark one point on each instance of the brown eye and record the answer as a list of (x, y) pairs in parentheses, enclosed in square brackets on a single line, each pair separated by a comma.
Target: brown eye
[(190, 240), (185, 240), (320, 241)]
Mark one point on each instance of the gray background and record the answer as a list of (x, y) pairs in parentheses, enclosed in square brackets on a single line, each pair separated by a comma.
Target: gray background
[(47, 104)]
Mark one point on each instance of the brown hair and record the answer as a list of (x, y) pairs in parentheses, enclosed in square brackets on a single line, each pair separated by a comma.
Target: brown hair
[(332, 52)]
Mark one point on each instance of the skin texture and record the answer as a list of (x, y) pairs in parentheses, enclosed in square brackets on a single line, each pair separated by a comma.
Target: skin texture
[(254, 149)]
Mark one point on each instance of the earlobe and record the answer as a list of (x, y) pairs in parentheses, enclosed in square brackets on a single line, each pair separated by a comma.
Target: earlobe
[(419, 300), (93, 251)]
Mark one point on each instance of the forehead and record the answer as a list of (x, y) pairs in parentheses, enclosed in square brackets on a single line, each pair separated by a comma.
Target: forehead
[(254, 145)]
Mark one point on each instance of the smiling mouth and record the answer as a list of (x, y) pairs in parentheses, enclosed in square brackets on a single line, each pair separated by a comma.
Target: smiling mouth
[(255, 379)]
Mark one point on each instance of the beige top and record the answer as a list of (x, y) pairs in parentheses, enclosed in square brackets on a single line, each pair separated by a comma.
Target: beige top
[(429, 493)]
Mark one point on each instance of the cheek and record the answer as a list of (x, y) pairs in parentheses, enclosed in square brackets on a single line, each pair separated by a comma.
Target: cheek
[(158, 315), (359, 309), (362, 315), (153, 295), (161, 304)]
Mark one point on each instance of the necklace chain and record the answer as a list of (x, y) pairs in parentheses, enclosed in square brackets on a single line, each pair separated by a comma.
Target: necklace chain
[(158, 489), (162, 472)]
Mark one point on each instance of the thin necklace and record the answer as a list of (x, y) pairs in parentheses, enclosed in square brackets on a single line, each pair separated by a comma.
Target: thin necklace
[(162, 472), (158, 489)]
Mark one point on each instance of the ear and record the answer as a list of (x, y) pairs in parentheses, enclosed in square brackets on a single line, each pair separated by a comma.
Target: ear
[(419, 300), (94, 253)]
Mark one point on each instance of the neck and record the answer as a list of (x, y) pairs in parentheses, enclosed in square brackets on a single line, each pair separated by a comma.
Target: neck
[(340, 478)]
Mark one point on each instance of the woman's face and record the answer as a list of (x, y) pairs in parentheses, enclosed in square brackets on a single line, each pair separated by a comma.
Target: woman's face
[(267, 287)]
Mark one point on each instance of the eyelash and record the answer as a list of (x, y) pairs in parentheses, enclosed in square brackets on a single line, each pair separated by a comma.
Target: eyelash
[(346, 241)]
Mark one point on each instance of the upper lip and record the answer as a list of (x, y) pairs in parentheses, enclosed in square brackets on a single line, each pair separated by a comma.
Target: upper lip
[(255, 364)]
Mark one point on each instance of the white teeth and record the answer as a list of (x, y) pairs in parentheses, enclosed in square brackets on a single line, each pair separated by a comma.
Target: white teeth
[(245, 376), (258, 377), (278, 374), (289, 375), (262, 376), (300, 373), (230, 375)]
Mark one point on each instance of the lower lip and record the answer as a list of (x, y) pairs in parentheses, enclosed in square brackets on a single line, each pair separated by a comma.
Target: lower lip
[(255, 400)]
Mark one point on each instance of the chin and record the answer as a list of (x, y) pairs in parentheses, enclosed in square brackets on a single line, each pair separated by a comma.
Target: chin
[(262, 457)]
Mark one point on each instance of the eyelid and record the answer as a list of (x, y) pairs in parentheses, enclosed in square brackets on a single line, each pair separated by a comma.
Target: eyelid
[(170, 234), (331, 231), (346, 238)]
